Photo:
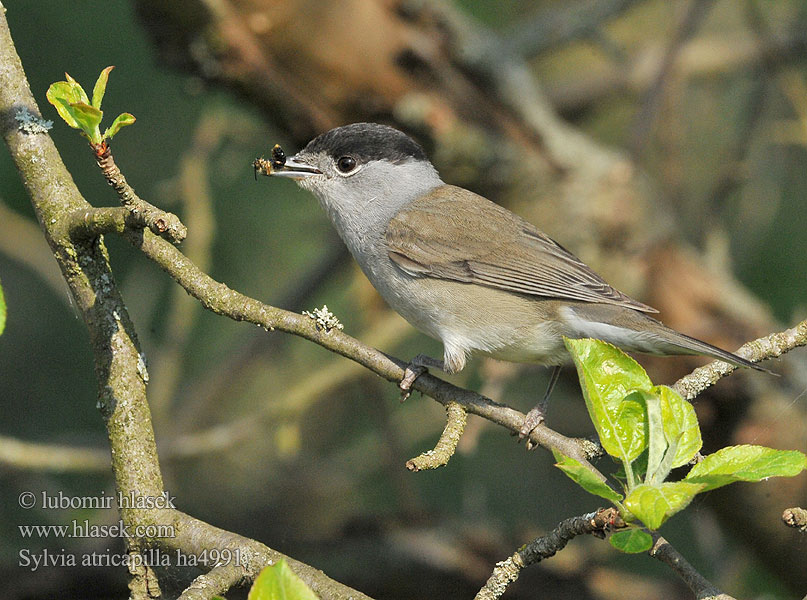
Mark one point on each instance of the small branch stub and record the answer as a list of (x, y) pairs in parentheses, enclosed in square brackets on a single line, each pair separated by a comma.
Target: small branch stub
[(164, 224), (796, 518), (456, 417)]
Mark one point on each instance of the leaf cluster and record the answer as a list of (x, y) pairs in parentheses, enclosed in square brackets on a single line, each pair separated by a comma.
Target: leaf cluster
[(78, 111), (651, 430)]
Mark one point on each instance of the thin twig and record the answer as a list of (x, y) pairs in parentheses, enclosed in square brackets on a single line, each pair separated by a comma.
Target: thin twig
[(695, 13), (662, 550), (563, 23), (162, 223), (507, 571), (222, 300), (51, 457), (195, 538), (769, 346)]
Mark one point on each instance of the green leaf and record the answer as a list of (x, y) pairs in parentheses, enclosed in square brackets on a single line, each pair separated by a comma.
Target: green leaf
[(585, 478), (121, 120), (655, 504), (88, 119), (2, 311), (631, 541), (62, 95), (71, 103), (631, 425), (83, 95), (74, 107), (606, 376), (680, 423), (100, 87), (279, 582), (657, 443), (746, 463)]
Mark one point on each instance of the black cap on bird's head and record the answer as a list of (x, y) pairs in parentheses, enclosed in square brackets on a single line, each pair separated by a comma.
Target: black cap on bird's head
[(366, 142), (347, 147)]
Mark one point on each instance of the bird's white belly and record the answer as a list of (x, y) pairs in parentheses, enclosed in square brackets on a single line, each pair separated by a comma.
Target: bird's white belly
[(469, 318)]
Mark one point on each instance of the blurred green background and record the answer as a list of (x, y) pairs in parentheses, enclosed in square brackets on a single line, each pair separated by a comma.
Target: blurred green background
[(275, 438)]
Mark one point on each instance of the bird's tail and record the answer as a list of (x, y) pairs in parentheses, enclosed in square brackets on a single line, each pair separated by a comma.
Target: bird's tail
[(691, 345), (637, 332)]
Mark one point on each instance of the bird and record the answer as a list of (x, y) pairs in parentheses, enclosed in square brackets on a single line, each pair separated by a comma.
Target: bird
[(463, 269)]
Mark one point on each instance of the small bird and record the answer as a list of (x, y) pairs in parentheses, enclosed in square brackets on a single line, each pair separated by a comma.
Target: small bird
[(462, 269)]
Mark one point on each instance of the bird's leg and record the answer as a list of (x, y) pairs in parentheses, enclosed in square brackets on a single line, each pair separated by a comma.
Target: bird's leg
[(417, 367), (536, 416)]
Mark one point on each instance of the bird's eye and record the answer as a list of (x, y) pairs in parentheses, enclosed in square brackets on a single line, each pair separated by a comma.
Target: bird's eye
[(346, 164)]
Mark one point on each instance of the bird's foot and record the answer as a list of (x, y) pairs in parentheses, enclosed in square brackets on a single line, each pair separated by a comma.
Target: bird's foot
[(417, 367), (534, 418)]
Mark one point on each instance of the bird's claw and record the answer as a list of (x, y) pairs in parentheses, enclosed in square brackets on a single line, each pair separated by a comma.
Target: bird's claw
[(534, 418), (411, 373)]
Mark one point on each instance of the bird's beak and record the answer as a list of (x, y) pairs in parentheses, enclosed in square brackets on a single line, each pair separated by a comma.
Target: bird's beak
[(293, 167)]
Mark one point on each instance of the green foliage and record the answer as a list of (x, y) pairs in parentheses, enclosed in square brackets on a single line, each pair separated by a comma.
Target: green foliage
[(631, 541), (651, 430), (2, 311), (279, 582), (653, 504), (76, 109), (585, 478), (746, 463)]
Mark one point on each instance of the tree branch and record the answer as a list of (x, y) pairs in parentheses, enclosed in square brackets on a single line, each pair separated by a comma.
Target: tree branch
[(51, 457), (213, 583), (549, 29), (222, 300), (193, 537), (769, 346), (119, 365), (703, 590), (507, 571), (144, 214)]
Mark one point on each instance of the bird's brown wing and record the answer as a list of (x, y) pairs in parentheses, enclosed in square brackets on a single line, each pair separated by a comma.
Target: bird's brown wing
[(455, 234)]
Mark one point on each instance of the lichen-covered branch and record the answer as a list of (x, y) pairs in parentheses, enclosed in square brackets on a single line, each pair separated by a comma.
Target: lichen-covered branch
[(507, 571), (195, 537), (119, 366), (769, 346), (162, 223), (596, 523), (456, 418), (214, 583)]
